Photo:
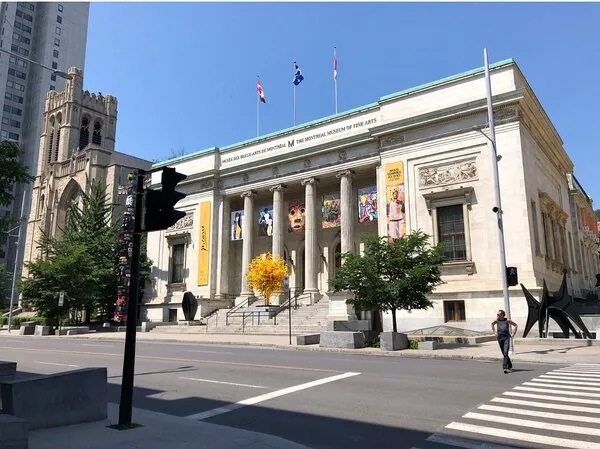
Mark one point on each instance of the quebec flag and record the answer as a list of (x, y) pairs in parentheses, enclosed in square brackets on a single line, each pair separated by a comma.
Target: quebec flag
[(298, 77)]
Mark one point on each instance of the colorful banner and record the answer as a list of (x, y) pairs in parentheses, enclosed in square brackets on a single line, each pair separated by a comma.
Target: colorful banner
[(265, 221), (331, 210), (296, 217), (237, 219), (395, 201), (204, 247), (367, 204)]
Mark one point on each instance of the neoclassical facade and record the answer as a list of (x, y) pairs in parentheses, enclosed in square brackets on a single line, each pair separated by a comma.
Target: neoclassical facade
[(417, 159), (77, 147)]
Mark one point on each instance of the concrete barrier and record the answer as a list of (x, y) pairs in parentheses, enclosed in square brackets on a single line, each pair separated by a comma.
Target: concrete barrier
[(393, 341), (13, 432), (42, 330), (27, 329), (339, 339), (309, 339), (61, 399), (430, 345), (8, 370)]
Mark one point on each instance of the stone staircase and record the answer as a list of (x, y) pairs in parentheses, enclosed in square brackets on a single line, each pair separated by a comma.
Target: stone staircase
[(306, 319)]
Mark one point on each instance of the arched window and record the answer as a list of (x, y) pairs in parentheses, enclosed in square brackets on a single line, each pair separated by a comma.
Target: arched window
[(50, 140), (41, 206), (55, 158), (84, 133), (97, 137)]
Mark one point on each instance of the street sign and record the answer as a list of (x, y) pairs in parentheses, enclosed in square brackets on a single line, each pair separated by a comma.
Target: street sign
[(61, 299)]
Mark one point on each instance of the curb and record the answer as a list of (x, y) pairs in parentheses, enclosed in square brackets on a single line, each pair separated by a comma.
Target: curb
[(409, 353)]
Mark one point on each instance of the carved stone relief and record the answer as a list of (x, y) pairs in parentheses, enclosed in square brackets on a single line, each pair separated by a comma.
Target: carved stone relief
[(448, 174), (185, 223)]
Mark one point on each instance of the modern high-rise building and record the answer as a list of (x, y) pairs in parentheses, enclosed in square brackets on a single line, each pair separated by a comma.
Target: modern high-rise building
[(36, 40)]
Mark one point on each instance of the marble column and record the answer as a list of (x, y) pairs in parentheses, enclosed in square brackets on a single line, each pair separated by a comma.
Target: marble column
[(223, 248), (347, 211), (278, 221), (311, 247), (247, 240)]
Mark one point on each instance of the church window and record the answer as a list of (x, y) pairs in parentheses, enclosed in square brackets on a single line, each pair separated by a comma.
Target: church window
[(50, 140), (57, 145), (97, 137), (84, 133)]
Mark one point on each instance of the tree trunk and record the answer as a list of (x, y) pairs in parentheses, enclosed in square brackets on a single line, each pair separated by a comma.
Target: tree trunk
[(395, 327)]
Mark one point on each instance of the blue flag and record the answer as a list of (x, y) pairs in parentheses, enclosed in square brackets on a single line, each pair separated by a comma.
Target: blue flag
[(298, 77)]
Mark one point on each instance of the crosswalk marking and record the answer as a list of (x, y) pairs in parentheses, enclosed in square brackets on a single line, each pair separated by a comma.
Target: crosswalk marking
[(562, 401), (549, 405), (523, 436), (565, 382), (551, 390), (568, 387), (533, 424), (549, 415)]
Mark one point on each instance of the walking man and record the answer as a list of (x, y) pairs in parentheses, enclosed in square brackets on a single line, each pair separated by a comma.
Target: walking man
[(501, 327)]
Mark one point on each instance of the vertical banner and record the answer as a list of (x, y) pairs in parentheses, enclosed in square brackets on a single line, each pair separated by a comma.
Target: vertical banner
[(367, 204), (331, 210), (204, 247), (395, 202)]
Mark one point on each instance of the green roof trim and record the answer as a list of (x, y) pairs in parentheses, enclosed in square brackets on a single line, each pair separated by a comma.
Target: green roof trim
[(323, 120), (448, 79)]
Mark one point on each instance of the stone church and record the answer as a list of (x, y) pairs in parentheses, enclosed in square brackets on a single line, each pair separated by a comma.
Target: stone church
[(77, 146)]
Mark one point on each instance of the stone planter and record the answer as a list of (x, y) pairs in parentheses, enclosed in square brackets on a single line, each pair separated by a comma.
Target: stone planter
[(393, 341)]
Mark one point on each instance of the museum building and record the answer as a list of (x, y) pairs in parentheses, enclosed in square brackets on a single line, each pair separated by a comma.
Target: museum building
[(416, 159)]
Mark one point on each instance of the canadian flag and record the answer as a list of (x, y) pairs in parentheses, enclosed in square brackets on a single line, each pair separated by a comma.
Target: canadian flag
[(260, 91)]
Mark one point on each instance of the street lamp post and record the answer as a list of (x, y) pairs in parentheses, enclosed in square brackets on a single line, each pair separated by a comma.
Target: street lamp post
[(497, 209), (15, 271)]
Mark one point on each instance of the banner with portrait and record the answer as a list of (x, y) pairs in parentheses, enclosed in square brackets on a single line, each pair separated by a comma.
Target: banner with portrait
[(395, 200), (237, 219), (265, 221)]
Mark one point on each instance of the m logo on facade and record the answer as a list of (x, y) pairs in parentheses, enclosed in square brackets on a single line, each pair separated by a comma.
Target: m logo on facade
[(291, 143)]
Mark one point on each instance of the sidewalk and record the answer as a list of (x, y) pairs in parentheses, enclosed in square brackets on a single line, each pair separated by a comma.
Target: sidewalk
[(557, 351), (159, 431)]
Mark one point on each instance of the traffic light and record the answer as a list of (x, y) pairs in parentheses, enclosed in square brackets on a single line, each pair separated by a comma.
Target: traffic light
[(159, 205), (512, 276)]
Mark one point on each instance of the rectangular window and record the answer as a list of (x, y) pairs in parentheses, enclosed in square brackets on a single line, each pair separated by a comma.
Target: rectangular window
[(55, 53), (60, 8), (19, 13), (56, 42), (15, 123), (26, 28), (23, 52), (52, 87), (13, 136), (25, 40), (451, 232), (53, 77), (58, 30), (17, 111), (454, 311), (54, 65), (28, 17), (59, 19), (177, 263), (7, 108), (5, 120)]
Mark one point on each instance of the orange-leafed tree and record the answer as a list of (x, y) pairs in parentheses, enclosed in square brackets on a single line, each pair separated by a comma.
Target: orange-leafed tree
[(266, 275)]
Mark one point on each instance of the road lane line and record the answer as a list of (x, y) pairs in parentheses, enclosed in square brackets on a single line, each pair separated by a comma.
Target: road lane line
[(464, 443), (265, 397), (201, 351), (533, 424), (175, 359), (556, 385), (563, 377), (554, 391), (523, 436), (97, 345), (571, 408), (563, 374), (549, 415), (59, 364), (223, 383)]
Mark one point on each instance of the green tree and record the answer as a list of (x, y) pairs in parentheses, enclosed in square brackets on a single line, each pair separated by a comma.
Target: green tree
[(391, 275), (597, 213)]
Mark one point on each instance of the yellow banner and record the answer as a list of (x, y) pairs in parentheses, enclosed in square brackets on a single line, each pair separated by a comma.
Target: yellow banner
[(204, 247), (395, 200)]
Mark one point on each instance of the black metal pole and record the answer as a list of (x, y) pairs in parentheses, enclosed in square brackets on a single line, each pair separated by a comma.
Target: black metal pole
[(290, 314), (126, 404)]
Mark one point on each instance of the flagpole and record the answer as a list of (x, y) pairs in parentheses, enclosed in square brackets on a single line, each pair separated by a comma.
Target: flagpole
[(257, 108), (294, 96), (335, 79)]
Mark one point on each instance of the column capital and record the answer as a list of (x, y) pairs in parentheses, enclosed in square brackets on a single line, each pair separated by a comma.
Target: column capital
[(249, 193), (309, 181), (278, 187), (348, 173)]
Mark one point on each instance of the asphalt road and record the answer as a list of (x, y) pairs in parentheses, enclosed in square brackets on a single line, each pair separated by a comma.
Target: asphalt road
[(320, 399)]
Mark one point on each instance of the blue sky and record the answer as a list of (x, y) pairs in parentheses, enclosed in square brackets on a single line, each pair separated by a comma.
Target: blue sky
[(185, 73)]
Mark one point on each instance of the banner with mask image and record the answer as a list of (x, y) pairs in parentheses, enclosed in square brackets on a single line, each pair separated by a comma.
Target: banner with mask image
[(296, 217), (395, 201)]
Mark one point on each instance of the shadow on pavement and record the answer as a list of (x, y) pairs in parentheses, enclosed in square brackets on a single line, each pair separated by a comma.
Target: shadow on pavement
[(309, 429)]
